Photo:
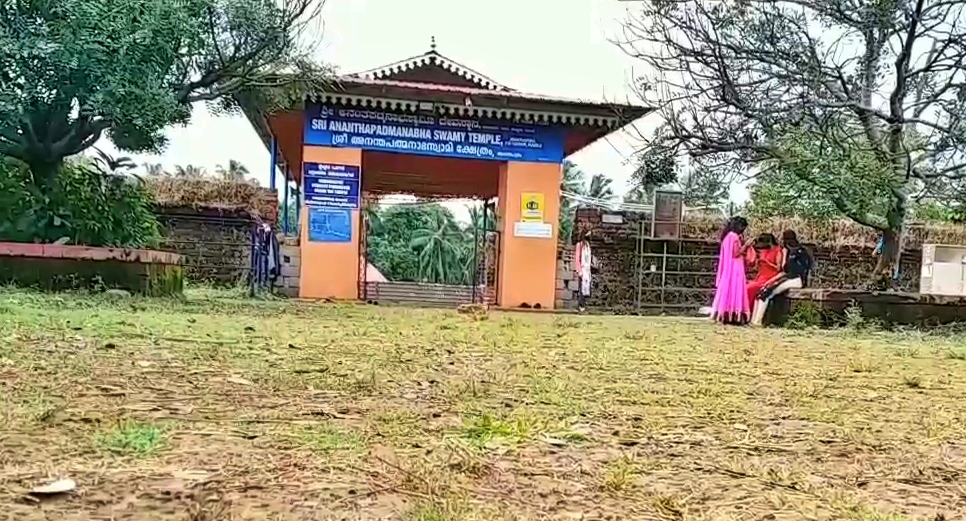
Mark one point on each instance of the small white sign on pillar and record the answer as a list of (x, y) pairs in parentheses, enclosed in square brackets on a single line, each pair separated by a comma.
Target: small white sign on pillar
[(533, 230)]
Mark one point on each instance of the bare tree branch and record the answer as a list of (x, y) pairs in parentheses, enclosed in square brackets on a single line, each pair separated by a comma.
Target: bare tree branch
[(872, 93)]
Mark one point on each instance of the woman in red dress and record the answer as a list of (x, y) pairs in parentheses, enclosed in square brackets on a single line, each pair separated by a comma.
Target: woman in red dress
[(768, 261)]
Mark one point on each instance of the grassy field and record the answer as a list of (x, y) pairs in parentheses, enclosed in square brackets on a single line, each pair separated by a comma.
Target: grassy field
[(218, 409)]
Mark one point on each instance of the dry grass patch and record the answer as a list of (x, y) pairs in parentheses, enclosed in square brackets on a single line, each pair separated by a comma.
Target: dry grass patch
[(219, 408)]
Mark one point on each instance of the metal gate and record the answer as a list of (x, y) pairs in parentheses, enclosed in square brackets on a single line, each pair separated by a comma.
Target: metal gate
[(672, 276), (482, 269)]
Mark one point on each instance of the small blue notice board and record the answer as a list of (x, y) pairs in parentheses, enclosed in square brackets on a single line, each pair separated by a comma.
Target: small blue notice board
[(330, 224), (331, 186)]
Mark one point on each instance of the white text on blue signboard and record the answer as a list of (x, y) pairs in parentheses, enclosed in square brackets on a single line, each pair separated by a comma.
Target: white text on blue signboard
[(332, 186), (432, 135)]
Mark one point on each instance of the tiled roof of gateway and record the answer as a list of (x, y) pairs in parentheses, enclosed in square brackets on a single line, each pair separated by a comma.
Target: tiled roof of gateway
[(466, 91), (431, 58), (508, 93)]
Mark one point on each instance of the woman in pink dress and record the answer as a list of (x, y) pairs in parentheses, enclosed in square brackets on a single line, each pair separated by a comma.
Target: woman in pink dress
[(731, 304)]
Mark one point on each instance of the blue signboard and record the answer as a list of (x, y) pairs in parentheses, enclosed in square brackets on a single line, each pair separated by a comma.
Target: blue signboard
[(333, 186), (432, 135), (330, 225)]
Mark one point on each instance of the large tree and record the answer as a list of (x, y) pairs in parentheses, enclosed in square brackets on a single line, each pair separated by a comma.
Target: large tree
[(816, 173), (72, 71), (866, 82)]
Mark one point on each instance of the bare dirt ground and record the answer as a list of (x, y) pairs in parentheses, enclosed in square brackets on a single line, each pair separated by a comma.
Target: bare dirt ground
[(215, 409)]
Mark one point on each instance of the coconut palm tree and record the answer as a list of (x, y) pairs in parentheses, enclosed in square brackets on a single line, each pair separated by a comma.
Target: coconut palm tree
[(154, 169), (474, 242), (477, 225), (600, 188), (440, 244), (573, 178), (190, 171), (572, 182), (235, 171), (108, 163)]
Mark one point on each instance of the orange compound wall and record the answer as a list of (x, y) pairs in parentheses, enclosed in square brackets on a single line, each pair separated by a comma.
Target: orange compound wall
[(527, 267), (329, 270)]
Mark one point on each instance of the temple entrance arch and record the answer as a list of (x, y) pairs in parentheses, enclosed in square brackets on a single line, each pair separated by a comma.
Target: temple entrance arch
[(430, 127), (424, 250)]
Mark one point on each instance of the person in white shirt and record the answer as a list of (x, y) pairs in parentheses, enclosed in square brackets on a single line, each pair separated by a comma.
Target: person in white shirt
[(583, 263)]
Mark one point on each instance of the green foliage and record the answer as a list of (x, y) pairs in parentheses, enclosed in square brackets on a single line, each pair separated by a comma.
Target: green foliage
[(390, 238), (442, 248), (74, 70), (190, 171), (424, 242), (88, 206), (776, 193), (130, 437), (235, 171), (703, 185), (813, 179), (937, 213), (600, 188), (292, 210), (805, 315), (824, 175), (638, 195), (571, 182), (657, 166)]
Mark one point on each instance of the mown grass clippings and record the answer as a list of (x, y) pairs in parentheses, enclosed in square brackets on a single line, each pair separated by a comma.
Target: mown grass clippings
[(619, 475), (956, 354), (326, 439), (438, 510), (220, 407)]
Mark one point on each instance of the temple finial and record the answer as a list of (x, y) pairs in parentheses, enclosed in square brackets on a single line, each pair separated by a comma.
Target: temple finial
[(432, 43)]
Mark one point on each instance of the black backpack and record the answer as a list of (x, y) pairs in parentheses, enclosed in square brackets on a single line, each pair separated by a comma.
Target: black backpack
[(799, 264)]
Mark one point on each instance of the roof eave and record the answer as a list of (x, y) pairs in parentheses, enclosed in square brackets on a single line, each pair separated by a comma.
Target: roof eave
[(621, 114), (396, 93), (258, 120)]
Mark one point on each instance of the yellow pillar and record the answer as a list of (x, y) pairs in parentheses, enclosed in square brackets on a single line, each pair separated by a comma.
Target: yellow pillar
[(528, 258), (329, 269)]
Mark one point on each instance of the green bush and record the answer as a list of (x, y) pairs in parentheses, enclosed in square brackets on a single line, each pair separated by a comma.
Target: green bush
[(804, 315), (88, 206)]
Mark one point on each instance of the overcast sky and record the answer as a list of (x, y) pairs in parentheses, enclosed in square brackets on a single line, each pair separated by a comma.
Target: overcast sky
[(554, 47)]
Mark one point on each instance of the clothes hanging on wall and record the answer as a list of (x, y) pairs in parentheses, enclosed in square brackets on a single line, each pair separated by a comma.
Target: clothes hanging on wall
[(265, 257)]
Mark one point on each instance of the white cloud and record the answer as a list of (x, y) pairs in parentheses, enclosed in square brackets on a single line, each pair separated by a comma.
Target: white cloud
[(553, 47)]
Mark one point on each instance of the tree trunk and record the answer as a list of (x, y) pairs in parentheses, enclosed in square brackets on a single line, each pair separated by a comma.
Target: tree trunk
[(882, 275), (44, 172)]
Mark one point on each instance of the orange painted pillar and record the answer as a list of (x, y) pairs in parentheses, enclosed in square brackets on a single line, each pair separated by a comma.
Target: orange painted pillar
[(329, 269), (528, 212)]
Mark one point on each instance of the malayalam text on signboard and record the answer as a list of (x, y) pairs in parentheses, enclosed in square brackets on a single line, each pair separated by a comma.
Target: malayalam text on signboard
[(432, 135), (333, 186)]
